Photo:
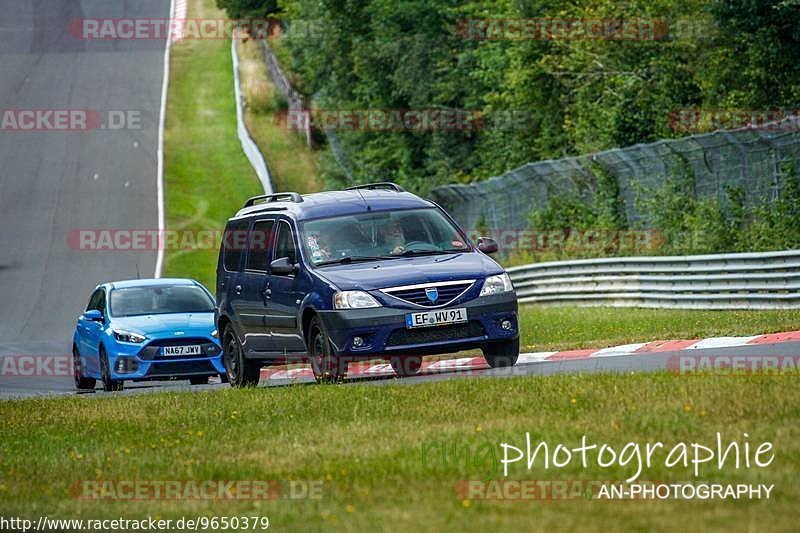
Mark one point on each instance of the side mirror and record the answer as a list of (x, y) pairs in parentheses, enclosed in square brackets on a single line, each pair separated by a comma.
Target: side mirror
[(94, 315), (282, 267), (487, 245)]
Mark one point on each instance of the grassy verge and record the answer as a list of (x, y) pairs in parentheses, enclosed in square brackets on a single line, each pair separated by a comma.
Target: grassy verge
[(364, 444), (207, 176), (294, 167), (557, 328)]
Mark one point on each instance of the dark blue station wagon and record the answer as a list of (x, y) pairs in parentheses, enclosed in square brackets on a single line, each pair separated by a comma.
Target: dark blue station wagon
[(369, 272)]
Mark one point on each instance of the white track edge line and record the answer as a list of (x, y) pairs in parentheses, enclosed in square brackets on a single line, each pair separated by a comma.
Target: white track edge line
[(160, 149)]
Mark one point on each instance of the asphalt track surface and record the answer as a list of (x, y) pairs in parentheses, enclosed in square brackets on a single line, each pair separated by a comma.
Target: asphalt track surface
[(52, 182), (625, 364)]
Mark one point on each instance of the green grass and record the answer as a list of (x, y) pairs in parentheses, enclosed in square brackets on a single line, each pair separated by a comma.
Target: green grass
[(558, 328), (293, 166), (207, 176), (365, 444)]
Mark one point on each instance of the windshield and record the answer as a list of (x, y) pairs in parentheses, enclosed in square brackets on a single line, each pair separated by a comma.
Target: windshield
[(160, 300), (381, 235)]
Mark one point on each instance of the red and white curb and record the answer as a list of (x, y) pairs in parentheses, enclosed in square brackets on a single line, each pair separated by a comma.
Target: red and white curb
[(478, 363)]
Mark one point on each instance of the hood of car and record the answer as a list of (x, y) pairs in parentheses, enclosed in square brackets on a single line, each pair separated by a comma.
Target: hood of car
[(190, 324), (409, 271)]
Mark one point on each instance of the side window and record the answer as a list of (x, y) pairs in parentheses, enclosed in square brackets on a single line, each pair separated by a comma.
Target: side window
[(98, 301), (258, 245), (233, 242), (285, 245)]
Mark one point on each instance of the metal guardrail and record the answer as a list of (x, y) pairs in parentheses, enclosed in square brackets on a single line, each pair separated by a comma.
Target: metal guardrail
[(768, 280)]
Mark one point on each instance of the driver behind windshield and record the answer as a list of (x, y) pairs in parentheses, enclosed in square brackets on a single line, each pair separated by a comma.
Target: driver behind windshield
[(394, 238)]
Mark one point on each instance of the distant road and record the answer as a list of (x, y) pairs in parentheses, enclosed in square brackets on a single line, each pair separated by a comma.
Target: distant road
[(55, 181)]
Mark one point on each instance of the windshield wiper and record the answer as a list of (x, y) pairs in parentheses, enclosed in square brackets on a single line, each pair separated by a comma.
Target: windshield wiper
[(355, 259), (409, 253)]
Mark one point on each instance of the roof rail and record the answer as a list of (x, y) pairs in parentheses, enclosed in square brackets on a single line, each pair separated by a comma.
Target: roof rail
[(387, 185), (277, 197)]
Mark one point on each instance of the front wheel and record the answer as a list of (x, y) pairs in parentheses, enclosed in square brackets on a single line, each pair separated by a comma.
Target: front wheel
[(500, 354), (242, 372), (109, 385), (327, 367), (81, 382)]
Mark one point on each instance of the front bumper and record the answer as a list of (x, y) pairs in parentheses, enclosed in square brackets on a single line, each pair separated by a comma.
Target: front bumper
[(384, 333), (144, 363)]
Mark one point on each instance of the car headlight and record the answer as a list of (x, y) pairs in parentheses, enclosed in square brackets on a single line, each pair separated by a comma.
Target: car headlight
[(215, 334), (497, 285), (127, 336), (354, 300)]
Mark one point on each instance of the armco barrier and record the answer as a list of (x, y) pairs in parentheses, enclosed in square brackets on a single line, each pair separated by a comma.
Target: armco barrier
[(249, 146), (767, 280)]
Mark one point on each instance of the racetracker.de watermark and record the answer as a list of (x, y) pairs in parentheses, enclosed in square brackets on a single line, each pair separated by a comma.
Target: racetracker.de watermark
[(194, 489), (403, 119), (71, 119), (734, 365), (185, 28), (508, 240), (564, 29), (696, 120), (35, 365)]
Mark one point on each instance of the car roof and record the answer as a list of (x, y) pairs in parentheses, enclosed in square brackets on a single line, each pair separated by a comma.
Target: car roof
[(334, 203), (160, 282)]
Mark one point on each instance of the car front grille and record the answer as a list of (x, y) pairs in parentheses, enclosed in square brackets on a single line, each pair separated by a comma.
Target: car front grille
[(402, 337), (152, 352), (418, 294), (177, 368)]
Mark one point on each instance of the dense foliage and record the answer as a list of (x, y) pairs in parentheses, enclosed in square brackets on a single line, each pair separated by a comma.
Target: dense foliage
[(581, 95)]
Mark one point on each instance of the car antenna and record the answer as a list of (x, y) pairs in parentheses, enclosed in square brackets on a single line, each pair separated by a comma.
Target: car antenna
[(369, 207)]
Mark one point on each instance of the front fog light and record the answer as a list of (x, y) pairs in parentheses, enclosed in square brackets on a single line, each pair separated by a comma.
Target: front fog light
[(497, 285), (358, 342), (506, 325)]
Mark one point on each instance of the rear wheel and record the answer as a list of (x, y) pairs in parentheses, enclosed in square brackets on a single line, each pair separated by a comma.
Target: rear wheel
[(109, 385), (408, 365), (500, 354), (199, 380), (81, 382), (242, 372), (327, 367)]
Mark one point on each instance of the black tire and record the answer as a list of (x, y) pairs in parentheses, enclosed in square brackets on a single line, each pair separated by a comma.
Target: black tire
[(327, 366), (241, 372), (198, 380), (81, 382), (109, 385), (407, 365), (501, 354)]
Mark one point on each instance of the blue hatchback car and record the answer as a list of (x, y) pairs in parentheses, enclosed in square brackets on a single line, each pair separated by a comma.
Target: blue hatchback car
[(369, 272), (146, 329)]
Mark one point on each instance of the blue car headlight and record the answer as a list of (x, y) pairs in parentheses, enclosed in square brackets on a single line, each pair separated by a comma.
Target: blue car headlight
[(497, 285), (127, 336)]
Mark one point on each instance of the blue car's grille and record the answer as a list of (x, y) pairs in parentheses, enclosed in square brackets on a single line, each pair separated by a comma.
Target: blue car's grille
[(153, 350), (423, 294)]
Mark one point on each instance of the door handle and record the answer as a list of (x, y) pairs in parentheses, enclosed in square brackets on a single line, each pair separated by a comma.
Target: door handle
[(238, 289)]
